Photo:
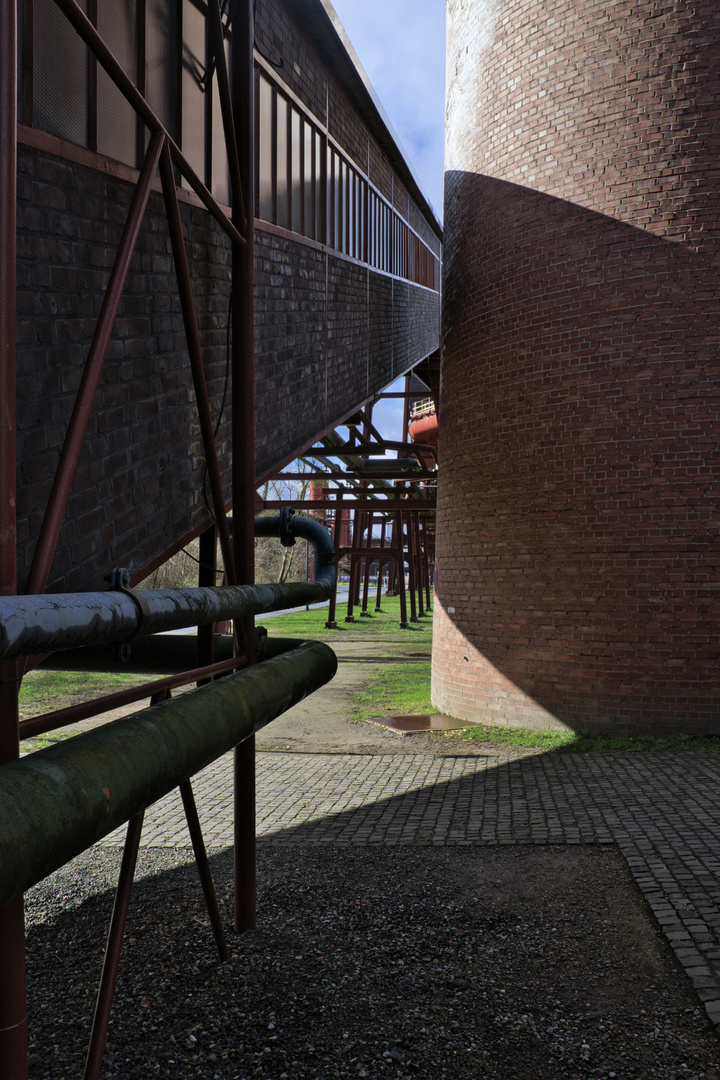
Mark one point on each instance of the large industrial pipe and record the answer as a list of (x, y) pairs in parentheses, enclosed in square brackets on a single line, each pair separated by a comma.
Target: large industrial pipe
[(31, 625), (287, 528), (57, 802)]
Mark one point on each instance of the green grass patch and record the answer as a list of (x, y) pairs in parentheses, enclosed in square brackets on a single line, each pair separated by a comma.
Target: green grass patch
[(398, 689), (571, 743), (381, 625), (44, 690)]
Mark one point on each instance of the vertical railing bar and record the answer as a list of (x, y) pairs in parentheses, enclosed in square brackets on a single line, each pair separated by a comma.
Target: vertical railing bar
[(82, 409)]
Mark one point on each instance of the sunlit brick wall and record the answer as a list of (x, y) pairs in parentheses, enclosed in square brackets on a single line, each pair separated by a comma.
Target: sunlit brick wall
[(579, 506)]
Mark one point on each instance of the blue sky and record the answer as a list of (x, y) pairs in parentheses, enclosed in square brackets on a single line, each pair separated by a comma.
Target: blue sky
[(401, 45)]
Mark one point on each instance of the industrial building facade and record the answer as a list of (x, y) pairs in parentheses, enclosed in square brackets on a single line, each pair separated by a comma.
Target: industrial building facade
[(347, 265)]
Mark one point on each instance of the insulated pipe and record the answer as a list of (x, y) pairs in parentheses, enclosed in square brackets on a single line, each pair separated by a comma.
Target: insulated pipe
[(287, 527), (57, 802), (31, 625)]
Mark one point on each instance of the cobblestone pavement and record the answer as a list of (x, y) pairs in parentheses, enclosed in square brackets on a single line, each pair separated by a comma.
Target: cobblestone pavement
[(662, 810)]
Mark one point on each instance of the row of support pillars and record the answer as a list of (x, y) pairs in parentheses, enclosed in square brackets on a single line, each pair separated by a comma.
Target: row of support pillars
[(410, 543)]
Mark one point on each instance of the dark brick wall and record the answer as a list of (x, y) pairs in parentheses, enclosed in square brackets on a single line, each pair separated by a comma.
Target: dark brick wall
[(381, 327), (328, 335), (290, 333), (280, 38), (139, 476), (348, 358), (578, 516), (346, 127), (380, 171)]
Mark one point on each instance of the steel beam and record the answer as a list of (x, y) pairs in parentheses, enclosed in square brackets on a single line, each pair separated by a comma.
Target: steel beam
[(13, 1008), (192, 334), (243, 435)]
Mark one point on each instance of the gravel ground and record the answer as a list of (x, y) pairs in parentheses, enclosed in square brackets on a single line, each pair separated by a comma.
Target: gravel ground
[(376, 962)]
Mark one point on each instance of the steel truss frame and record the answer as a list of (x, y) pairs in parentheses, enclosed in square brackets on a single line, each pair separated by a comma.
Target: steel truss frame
[(407, 504), (237, 114)]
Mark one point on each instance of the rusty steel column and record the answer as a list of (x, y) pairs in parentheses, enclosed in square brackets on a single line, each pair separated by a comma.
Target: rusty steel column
[(331, 622), (400, 556), (243, 437), (381, 565), (426, 565), (406, 520), (368, 561), (415, 526), (13, 1007), (355, 544)]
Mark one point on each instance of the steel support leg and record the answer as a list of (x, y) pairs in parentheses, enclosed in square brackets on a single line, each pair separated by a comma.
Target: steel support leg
[(415, 526), (243, 439), (203, 867), (331, 623), (13, 1009), (111, 964), (400, 556)]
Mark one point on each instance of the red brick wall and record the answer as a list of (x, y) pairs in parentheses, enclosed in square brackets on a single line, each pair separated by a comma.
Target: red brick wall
[(579, 517)]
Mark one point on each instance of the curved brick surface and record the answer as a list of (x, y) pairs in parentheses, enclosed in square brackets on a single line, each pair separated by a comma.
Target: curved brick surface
[(578, 510)]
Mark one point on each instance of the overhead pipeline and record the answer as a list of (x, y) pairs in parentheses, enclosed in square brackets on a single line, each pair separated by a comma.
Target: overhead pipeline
[(31, 625), (59, 801)]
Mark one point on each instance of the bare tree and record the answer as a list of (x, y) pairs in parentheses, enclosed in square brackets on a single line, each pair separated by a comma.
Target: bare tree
[(273, 562)]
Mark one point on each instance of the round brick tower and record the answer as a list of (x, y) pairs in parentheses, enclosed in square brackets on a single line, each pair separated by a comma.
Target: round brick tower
[(579, 504)]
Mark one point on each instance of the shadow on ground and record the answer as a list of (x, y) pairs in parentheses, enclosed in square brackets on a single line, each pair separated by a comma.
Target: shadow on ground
[(534, 963)]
